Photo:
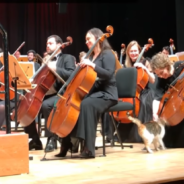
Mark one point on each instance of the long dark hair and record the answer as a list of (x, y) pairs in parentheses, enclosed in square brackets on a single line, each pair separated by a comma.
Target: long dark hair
[(98, 33)]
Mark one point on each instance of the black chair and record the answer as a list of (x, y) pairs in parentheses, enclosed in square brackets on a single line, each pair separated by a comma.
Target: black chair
[(126, 81)]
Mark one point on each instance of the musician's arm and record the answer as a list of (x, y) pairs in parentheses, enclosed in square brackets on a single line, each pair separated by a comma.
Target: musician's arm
[(159, 92), (108, 65), (69, 67)]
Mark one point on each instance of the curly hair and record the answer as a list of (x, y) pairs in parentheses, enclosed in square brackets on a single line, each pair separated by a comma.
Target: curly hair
[(160, 61)]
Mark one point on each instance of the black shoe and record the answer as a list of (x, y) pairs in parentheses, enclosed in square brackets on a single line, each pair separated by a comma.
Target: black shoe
[(35, 145), (86, 154), (64, 150), (51, 144), (107, 140)]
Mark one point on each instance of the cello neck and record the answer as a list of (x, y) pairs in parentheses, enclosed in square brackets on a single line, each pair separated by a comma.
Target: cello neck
[(121, 58), (140, 55), (171, 50)]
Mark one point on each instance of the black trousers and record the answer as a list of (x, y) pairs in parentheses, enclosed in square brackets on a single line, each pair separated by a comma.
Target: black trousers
[(45, 110), (90, 110)]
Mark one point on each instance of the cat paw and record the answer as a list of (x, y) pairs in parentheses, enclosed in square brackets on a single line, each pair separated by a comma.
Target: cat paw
[(149, 150)]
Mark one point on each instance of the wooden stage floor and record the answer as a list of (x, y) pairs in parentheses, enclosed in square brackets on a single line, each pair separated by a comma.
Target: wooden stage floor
[(127, 166)]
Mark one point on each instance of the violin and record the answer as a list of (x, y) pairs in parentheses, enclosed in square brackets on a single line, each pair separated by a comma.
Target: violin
[(172, 47), (43, 79), (142, 80), (64, 115)]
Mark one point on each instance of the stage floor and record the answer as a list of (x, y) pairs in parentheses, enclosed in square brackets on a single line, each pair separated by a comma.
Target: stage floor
[(129, 166)]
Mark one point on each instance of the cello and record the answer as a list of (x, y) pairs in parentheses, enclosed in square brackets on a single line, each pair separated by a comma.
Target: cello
[(64, 115), (44, 78), (142, 80), (171, 107)]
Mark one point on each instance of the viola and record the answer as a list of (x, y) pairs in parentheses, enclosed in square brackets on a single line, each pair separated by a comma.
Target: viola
[(43, 79), (142, 80), (172, 47), (171, 106), (64, 115)]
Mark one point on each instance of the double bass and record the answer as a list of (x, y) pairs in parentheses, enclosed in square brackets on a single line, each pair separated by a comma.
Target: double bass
[(64, 115), (142, 80), (43, 79)]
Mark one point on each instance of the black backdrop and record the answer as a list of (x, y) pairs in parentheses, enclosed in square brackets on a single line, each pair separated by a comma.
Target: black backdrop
[(132, 20)]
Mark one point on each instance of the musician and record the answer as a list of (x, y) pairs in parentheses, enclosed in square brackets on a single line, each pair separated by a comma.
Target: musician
[(17, 54), (166, 50), (129, 132), (45, 54), (31, 55), (102, 95), (64, 65), (167, 71)]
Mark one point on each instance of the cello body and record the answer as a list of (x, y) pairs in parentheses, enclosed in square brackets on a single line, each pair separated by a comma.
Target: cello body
[(29, 106), (63, 120), (171, 107)]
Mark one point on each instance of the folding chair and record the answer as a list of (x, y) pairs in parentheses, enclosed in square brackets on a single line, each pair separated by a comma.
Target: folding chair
[(126, 81)]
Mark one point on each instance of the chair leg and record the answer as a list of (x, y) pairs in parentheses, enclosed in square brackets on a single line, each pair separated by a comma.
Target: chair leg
[(103, 135), (116, 130), (39, 124)]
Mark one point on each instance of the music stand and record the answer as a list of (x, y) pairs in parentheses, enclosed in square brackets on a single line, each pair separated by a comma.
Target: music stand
[(173, 58), (23, 58), (19, 77), (28, 68)]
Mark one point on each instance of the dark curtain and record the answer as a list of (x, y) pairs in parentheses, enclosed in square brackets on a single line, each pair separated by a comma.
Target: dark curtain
[(132, 20)]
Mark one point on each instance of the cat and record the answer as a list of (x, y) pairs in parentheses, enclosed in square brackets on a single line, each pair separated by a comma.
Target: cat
[(151, 132)]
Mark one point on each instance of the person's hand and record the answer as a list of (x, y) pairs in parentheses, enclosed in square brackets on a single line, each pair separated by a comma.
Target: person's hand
[(86, 62), (52, 65), (140, 65)]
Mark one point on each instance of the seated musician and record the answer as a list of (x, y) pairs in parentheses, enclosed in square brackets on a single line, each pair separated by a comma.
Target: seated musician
[(31, 54), (129, 132), (102, 95), (166, 50), (17, 54), (64, 65), (167, 72)]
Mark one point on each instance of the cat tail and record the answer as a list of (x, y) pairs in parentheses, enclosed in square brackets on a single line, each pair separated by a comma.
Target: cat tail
[(134, 120)]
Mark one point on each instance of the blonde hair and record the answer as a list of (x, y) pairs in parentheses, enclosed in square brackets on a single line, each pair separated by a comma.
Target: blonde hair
[(128, 62), (160, 61)]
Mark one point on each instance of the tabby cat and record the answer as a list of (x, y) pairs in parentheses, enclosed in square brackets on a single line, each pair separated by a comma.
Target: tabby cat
[(150, 132)]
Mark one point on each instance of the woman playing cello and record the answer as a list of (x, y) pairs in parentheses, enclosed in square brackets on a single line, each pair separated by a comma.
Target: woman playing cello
[(102, 95), (129, 131), (167, 72)]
